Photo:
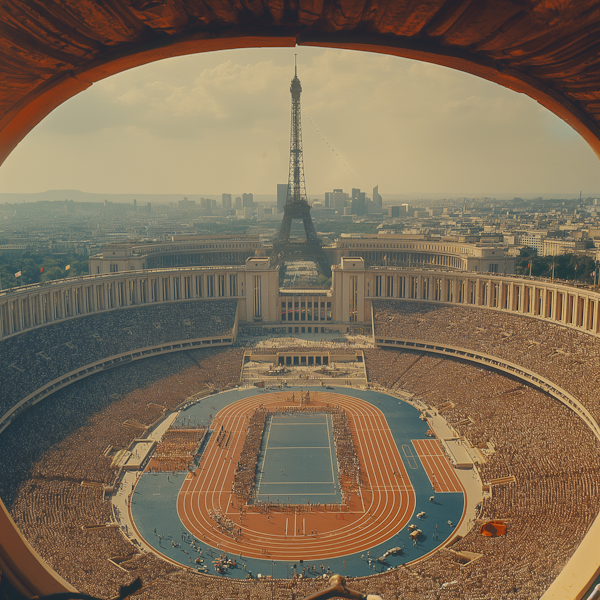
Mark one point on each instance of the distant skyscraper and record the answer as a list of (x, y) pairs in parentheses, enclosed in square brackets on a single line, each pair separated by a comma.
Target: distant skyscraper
[(226, 201), (359, 202), (186, 204), (336, 200), (377, 199), (281, 196), (247, 200)]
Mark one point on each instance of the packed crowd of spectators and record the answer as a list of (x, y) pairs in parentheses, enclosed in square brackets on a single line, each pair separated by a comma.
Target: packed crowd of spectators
[(294, 349), (175, 451), (182, 584), (347, 459), (64, 440), (124, 395), (51, 514), (244, 476), (521, 432), (563, 355), (36, 357), (224, 524)]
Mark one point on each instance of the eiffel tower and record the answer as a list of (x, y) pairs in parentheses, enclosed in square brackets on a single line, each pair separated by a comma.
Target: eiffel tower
[(296, 204)]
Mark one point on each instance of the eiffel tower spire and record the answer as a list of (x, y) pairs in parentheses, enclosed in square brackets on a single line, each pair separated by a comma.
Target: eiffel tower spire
[(296, 205), (296, 184)]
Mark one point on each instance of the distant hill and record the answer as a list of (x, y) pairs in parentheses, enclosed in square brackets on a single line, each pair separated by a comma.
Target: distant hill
[(78, 196)]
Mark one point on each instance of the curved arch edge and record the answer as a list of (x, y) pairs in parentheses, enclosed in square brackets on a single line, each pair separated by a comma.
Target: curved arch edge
[(36, 106), (31, 110), (474, 65), (23, 567)]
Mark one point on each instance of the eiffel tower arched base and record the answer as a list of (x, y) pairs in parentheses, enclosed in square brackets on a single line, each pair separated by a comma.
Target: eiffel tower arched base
[(290, 250), (285, 250)]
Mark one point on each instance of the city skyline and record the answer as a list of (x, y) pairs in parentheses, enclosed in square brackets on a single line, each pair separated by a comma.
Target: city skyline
[(219, 122)]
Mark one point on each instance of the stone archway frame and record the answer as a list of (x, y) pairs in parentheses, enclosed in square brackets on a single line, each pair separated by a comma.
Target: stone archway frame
[(22, 117)]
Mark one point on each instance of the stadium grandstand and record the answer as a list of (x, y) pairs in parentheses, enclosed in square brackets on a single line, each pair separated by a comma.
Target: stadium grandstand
[(98, 366), (507, 362)]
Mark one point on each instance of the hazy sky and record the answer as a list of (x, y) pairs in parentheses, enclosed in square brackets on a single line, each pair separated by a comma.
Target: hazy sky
[(219, 122)]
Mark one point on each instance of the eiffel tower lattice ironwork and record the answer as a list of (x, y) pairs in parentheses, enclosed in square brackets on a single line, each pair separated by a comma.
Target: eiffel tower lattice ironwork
[(296, 204)]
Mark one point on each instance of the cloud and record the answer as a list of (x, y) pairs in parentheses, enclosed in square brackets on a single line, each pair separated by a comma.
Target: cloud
[(228, 95)]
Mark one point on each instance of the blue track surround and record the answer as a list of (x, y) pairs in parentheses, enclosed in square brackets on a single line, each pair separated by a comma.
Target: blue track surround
[(154, 502)]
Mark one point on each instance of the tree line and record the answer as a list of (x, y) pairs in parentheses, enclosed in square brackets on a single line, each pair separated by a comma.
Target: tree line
[(36, 267), (573, 267)]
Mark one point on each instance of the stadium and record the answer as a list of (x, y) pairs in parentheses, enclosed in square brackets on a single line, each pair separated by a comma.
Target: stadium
[(175, 424), (501, 366)]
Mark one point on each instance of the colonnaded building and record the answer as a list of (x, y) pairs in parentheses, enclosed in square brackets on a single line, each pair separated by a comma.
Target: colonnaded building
[(419, 251), (508, 362)]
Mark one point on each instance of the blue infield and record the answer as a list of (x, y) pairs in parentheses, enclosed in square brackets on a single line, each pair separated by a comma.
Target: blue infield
[(154, 503), (297, 463)]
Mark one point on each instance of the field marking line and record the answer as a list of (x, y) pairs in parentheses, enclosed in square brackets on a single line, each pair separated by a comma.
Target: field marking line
[(304, 494), (298, 482), (300, 447), (330, 454), (264, 458), (301, 424)]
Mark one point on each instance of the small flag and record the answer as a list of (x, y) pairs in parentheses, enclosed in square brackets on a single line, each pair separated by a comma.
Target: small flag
[(551, 267), (18, 274), (529, 266), (41, 270), (67, 267), (593, 274)]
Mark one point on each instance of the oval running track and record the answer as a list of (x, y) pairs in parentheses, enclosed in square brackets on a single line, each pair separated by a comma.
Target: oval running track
[(382, 508)]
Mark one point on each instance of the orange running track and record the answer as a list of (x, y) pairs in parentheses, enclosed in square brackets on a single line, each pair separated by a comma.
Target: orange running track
[(437, 466), (382, 508)]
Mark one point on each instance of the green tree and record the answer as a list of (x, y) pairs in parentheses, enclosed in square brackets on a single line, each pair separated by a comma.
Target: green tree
[(31, 263), (566, 266), (323, 281)]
